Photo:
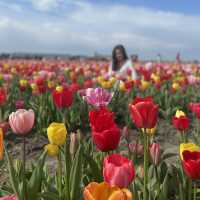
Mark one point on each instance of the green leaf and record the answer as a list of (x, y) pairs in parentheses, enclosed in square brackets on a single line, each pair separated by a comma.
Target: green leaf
[(49, 196), (75, 175), (35, 182), (14, 179)]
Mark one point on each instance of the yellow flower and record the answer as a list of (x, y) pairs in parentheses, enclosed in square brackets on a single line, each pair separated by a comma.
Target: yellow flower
[(50, 84), (57, 133), (1, 144), (179, 113), (103, 191), (100, 79), (150, 131), (59, 88), (155, 77), (34, 87), (176, 86), (23, 82), (189, 147), (113, 80), (122, 87), (52, 149), (144, 85), (106, 84)]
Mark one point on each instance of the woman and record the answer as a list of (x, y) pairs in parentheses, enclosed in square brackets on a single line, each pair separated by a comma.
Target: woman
[(121, 66)]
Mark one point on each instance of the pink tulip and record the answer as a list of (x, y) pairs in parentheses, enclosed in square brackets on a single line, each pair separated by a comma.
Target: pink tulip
[(10, 197), (118, 170), (22, 121), (136, 148), (154, 151), (97, 97)]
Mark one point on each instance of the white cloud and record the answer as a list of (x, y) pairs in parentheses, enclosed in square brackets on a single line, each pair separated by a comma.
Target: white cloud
[(45, 5), (83, 27)]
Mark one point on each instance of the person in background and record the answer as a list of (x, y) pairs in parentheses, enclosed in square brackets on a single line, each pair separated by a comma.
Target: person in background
[(121, 65)]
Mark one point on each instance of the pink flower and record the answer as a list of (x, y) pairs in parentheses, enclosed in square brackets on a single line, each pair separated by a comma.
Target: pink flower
[(154, 151), (21, 121), (10, 197), (118, 170), (136, 148), (96, 96)]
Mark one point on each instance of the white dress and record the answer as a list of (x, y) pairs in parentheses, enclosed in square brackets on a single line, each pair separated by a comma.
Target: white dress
[(123, 72)]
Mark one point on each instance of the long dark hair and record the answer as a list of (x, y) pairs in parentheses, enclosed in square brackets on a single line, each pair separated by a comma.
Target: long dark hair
[(114, 59)]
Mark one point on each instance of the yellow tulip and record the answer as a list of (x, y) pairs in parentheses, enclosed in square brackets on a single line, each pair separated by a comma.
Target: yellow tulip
[(23, 82), (103, 191), (188, 147), (176, 86), (1, 144), (155, 77), (179, 113), (57, 133), (52, 149), (50, 84), (122, 87), (100, 79), (106, 84), (144, 85), (59, 88), (113, 80)]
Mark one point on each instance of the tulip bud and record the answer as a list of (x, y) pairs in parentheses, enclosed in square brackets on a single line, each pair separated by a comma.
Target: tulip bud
[(73, 143), (136, 148), (154, 151), (141, 171)]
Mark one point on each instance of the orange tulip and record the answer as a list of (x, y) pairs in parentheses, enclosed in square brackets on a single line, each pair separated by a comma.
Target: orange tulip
[(1, 144), (103, 191)]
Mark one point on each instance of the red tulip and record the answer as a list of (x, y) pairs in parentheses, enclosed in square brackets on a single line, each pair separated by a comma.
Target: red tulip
[(62, 97), (105, 133), (154, 151), (2, 96), (191, 164), (144, 112), (118, 170), (195, 108), (180, 121)]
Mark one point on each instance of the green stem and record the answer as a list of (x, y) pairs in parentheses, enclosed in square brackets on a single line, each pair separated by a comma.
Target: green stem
[(189, 189), (59, 175), (146, 151), (67, 170), (24, 167), (195, 192)]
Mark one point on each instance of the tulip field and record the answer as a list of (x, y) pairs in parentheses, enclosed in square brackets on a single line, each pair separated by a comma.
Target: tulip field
[(69, 131)]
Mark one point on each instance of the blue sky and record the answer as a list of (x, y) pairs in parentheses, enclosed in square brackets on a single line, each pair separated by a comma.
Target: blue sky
[(145, 27)]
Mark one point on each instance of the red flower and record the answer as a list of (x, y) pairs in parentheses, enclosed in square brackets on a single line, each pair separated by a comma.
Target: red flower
[(2, 96), (191, 164), (144, 112), (195, 108), (181, 123), (118, 170), (63, 98), (105, 133)]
